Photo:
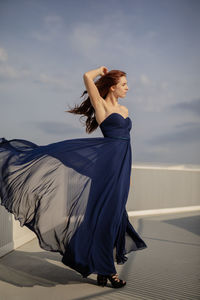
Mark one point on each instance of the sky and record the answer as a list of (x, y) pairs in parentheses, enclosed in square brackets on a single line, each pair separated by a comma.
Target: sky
[(46, 46)]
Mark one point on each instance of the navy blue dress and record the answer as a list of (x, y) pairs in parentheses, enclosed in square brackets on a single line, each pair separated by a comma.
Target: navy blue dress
[(72, 194)]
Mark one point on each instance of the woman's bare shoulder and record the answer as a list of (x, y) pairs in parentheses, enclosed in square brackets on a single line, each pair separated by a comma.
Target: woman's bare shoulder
[(124, 108)]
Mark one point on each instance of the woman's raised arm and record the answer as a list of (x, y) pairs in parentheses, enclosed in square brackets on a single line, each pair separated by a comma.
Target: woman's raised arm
[(91, 88)]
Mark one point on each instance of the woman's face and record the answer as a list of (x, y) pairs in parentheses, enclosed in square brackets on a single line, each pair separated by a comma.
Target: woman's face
[(121, 88)]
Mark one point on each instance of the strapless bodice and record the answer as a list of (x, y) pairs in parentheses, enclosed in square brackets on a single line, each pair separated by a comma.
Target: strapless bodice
[(116, 126)]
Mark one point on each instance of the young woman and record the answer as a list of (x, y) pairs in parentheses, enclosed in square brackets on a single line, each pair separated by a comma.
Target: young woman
[(72, 194)]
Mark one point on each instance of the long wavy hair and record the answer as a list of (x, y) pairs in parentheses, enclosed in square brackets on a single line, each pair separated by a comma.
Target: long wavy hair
[(86, 109)]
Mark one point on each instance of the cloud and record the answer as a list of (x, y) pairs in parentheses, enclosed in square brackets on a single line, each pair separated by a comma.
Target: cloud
[(65, 82), (47, 79), (145, 80), (9, 72), (51, 28), (152, 34), (152, 95), (192, 106), (185, 133), (3, 55), (86, 39), (49, 127), (107, 36)]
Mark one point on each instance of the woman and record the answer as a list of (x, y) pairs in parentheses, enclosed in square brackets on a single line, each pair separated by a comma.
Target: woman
[(72, 194)]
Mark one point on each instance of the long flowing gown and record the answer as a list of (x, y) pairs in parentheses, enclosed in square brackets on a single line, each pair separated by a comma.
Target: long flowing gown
[(72, 194)]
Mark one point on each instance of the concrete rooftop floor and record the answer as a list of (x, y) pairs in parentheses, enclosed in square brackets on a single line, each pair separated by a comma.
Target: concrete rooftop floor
[(168, 269)]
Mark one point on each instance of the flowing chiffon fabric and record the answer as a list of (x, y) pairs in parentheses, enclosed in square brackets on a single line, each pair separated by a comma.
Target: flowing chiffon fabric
[(72, 194)]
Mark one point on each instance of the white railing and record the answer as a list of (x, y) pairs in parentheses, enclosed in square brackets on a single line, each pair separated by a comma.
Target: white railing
[(154, 189)]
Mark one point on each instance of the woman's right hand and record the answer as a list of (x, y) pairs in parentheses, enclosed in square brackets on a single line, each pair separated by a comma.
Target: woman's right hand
[(103, 70)]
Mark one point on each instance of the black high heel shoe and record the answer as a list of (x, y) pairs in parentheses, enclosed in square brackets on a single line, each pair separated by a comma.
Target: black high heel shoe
[(102, 280), (115, 281)]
